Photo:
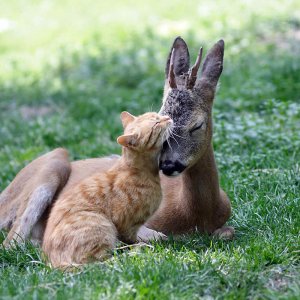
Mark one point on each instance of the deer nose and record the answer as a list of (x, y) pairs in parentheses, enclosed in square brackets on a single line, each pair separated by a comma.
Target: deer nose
[(171, 168)]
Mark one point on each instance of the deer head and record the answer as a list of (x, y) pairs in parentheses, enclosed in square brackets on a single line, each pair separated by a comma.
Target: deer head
[(188, 100)]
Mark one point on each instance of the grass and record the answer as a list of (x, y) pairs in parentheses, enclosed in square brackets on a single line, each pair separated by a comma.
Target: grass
[(68, 70)]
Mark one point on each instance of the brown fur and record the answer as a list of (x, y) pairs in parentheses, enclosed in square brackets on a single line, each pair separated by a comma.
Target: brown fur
[(24, 201), (86, 221), (205, 207), (192, 200)]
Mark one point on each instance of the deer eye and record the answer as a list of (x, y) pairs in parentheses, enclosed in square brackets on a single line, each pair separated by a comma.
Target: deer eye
[(196, 127)]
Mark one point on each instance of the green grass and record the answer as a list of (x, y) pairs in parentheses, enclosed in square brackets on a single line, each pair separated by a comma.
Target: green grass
[(85, 62)]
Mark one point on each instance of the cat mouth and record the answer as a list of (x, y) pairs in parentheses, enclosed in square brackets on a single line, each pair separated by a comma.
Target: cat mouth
[(166, 120), (168, 123), (164, 125)]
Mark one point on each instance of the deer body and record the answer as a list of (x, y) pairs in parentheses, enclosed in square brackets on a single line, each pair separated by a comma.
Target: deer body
[(191, 201)]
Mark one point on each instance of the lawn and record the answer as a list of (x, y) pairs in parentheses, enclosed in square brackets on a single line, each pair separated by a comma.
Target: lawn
[(68, 68)]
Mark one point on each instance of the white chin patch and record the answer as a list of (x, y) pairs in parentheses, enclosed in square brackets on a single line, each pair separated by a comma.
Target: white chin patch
[(176, 173)]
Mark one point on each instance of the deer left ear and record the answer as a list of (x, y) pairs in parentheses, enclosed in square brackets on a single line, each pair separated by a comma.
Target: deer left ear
[(126, 118), (127, 140)]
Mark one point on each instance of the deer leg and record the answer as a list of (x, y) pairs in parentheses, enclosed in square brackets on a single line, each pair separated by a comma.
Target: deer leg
[(40, 199), (8, 210), (223, 213), (224, 233), (25, 200)]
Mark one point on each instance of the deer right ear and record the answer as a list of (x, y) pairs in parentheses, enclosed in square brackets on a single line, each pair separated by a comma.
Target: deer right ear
[(126, 118), (213, 64), (180, 57)]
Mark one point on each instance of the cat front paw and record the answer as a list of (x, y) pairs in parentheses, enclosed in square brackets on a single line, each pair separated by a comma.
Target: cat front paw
[(146, 234)]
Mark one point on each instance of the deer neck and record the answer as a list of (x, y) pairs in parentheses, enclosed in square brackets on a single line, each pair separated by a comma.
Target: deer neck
[(200, 187)]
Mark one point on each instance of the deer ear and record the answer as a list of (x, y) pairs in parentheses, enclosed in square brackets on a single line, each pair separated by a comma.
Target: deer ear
[(127, 140), (126, 118), (213, 64), (181, 58)]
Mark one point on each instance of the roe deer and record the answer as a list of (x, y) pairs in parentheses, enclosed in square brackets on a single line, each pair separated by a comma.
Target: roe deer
[(191, 201)]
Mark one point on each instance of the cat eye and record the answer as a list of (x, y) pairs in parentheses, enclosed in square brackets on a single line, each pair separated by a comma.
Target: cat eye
[(196, 128)]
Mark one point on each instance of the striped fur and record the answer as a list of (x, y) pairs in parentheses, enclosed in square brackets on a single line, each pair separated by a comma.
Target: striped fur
[(85, 223)]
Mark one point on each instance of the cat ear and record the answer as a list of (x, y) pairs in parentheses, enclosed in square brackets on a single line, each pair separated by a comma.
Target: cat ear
[(128, 140), (126, 118)]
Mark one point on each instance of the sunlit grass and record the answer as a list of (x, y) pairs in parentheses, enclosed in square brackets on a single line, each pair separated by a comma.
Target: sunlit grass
[(68, 68)]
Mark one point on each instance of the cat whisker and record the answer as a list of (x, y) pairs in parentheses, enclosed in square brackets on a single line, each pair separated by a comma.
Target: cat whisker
[(174, 140), (172, 137), (167, 140), (179, 136), (169, 145), (167, 132), (173, 133)]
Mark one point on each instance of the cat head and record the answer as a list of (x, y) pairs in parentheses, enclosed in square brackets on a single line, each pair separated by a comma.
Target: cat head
[(147, 132)]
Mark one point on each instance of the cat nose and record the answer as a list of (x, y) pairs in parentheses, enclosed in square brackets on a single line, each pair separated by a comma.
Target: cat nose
[(171, 168), (168, 121), (166, 118)]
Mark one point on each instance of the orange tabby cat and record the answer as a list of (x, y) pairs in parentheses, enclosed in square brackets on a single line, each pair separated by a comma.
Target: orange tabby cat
[(85, 223)]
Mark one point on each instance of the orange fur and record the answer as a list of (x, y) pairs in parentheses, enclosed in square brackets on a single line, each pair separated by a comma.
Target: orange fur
[(191, 201), (85, 222)]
